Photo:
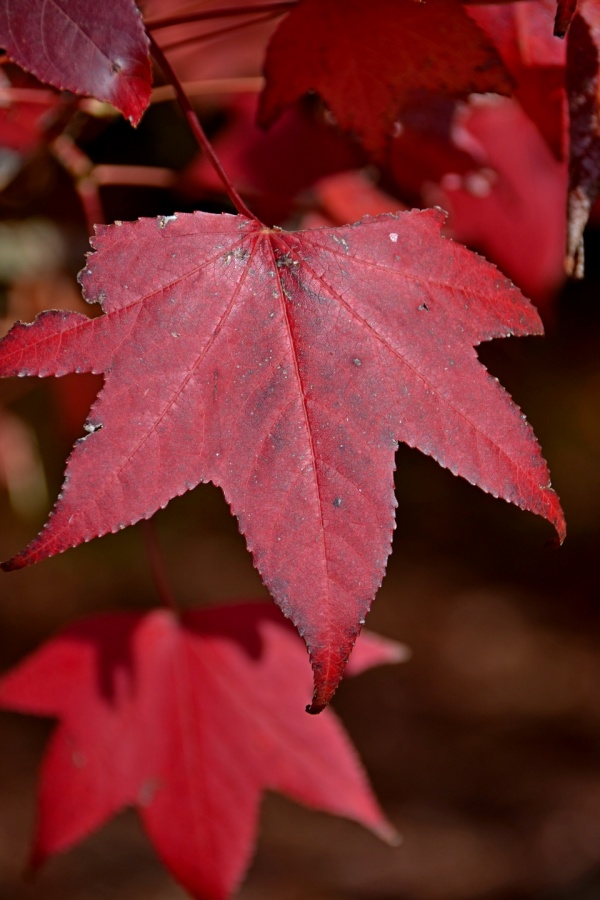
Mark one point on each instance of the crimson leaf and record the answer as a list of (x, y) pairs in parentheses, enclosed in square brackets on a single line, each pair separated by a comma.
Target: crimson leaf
[(104, 55), (367, 63), (519, 190), (189, 721), (522, 34), (284, 367)]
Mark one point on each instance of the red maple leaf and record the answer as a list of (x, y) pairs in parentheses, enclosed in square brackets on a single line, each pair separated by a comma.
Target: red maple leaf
[(189, 720), (284, 367), (104, 55), (367, 64)]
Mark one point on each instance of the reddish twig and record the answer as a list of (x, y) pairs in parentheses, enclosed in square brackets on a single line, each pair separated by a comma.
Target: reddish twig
[(197, 129), (251, 85), (88, 178), (278, 8), (81, 169)]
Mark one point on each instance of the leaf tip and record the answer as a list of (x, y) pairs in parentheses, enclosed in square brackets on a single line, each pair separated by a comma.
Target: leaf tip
[(555, 515), (329, 665), (560, 526), (12, 564), (386, 832)]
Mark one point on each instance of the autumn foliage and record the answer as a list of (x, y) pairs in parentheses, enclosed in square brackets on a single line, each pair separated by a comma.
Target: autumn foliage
[(280, 343)]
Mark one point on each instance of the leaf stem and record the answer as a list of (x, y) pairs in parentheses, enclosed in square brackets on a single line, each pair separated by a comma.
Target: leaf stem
[(197, 129), (157, 566), (280, 7), (81, 169)]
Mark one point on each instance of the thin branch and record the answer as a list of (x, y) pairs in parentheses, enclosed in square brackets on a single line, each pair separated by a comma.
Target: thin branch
[(206, 36), (250, 85), (197, 129), (81, 169), (10, 94), (136, 176), (157, 565), (89, 195), (186, 18)]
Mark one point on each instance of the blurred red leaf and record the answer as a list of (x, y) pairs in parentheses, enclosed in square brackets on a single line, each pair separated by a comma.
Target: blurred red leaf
[(517, 190), (368, 63), (104, 55), (425, 149), (189, 720), (25, 110), (522, 34), (346, 197), (283, 367)]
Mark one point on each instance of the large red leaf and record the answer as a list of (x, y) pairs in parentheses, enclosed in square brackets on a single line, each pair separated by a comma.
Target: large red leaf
[(190, 721), (367, 60), (104, 54), (284, 367)]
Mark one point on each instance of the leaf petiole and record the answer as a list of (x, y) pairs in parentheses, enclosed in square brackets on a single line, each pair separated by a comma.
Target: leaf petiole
[(197, 129)]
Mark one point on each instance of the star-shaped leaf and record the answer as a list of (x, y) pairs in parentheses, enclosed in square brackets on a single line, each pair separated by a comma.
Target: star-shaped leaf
[(285, 367), (189, 720)]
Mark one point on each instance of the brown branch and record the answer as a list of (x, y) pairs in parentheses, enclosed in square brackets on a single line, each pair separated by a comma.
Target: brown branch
[(250, 85), (186, 18)]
